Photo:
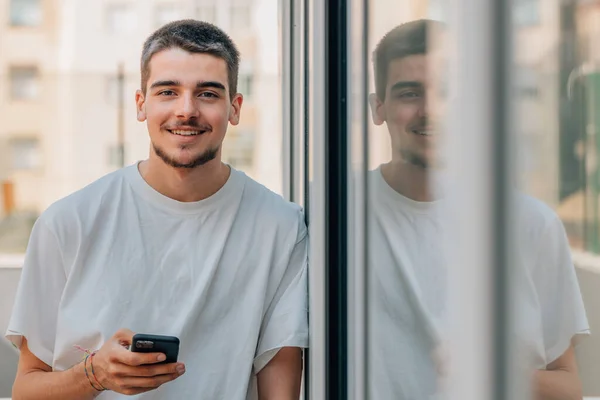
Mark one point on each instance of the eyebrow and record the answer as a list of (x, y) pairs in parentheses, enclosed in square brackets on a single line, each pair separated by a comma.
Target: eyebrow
[(406, 84), (210, 84), (199, 85), (164, 83)]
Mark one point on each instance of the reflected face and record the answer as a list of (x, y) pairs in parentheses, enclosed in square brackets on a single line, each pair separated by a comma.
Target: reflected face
[(187, 107), (405, 111)]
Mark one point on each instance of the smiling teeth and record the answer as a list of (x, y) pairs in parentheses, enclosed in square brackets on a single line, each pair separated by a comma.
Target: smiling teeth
[(186, 133), (423, 133)]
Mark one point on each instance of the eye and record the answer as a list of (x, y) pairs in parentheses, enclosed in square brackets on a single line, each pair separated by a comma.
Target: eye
[(166, 93), (409, 95), (208, 94)]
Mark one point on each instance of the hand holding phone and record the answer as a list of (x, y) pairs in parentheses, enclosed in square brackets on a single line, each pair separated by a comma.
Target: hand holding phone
[(142, 368)]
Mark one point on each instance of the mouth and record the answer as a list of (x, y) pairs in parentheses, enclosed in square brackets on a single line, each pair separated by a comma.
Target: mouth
[(422, 132), (186, 132)]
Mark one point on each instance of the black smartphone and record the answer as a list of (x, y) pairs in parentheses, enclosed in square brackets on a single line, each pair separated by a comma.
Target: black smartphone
[(146, 343)]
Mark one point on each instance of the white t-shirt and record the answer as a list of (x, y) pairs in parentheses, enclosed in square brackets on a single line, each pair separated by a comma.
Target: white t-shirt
[(227, 275), (408, 289)]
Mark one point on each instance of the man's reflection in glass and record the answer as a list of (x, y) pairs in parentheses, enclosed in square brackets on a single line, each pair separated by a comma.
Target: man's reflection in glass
[(408, 272)]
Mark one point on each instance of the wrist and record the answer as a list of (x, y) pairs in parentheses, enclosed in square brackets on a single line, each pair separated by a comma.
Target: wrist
[(93, 377), (92, 387)]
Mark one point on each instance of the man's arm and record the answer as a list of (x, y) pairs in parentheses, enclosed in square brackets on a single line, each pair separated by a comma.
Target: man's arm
[(281, 378), (560, 380), (35, 380), (115, 368)]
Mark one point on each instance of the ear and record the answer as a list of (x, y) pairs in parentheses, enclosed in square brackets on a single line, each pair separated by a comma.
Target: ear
[(377, 111), (236, 108), (140, 102)]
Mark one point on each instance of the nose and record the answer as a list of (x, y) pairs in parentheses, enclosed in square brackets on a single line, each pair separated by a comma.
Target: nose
[(424, 107), (428, 103), (187, 107), (435, 100)]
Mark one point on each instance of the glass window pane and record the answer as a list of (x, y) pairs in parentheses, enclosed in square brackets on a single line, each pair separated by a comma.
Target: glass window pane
[(406, 267), (245, 85), (556, 140), (24, 83), (240, 152), (552, 243), (25, 12), (26, 153)]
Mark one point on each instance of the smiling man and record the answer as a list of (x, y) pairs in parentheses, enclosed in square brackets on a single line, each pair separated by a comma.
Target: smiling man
[(411, 227), (179, 244)]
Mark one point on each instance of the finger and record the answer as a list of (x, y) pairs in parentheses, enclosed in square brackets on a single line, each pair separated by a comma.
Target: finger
[(135, 359), (124, 336), (145, 371), (132, 391), (153, 382)]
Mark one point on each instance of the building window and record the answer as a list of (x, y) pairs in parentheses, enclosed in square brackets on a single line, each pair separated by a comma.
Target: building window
[(526, 12), (207, 12), (24, 83), (115, 157), (240, 148), (166, 13), (25, 153), (120, 19), (25, 12), (240, 16), (246, 85), (527, 82)]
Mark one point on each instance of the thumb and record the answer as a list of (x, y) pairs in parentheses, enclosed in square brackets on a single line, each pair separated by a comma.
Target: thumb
[(124, 337)]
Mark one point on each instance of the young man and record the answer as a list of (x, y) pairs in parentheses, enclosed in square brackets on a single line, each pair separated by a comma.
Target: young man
[(180, 244), (409, 229)]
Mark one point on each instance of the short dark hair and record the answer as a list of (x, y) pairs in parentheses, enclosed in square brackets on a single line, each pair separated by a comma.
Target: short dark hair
[(194, 37), (404, 40)]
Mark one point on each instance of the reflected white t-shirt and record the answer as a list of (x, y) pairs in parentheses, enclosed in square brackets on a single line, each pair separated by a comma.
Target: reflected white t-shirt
[(408, 289), (227, 275)]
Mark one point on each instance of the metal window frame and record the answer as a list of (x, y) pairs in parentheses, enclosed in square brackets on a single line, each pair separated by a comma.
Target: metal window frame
[(293, 22), (483, 356), (358, 150), (287, 96), (336, 106), (317, 125), (293, 15), (327, 111)]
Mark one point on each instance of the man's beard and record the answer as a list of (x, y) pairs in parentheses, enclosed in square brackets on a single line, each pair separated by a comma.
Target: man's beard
[(412, 158), (201, 159)]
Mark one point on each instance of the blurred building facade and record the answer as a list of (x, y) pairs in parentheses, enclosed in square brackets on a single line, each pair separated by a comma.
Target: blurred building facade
[(68, 86), (29, 44)]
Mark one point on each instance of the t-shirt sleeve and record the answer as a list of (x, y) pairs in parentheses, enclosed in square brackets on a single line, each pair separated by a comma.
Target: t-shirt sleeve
[(286, 321), (39, 292), (563, 312)]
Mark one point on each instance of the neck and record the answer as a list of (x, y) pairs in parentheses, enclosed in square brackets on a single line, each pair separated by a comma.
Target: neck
[(409, 180), (183, 184)]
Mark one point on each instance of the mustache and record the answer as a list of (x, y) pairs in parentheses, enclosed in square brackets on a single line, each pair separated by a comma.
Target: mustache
[(421, 124), (191, 123)]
